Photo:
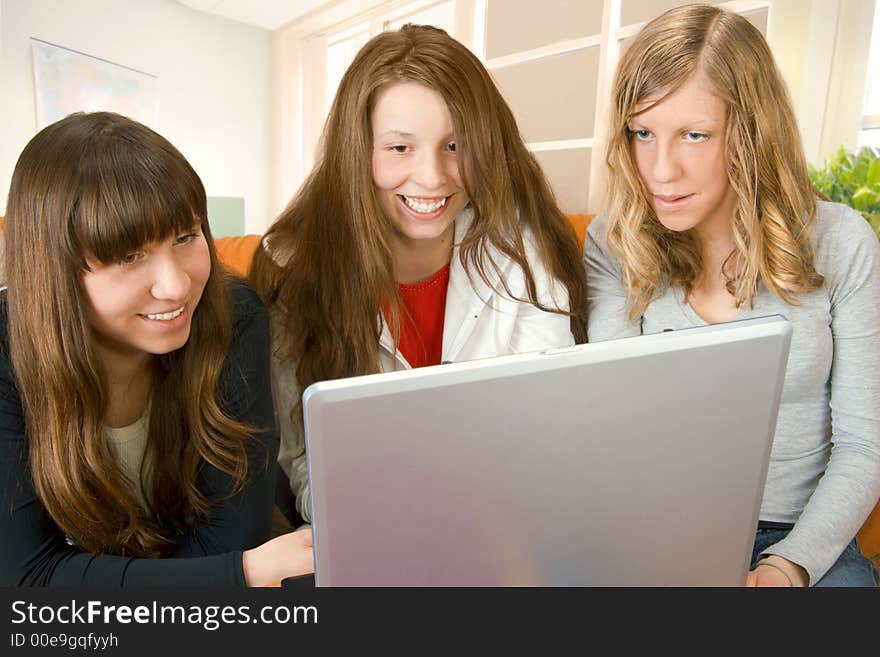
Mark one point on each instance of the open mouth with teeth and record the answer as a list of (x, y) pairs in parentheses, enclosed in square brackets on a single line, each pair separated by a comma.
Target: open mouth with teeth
[(165, 317), (424, 205)]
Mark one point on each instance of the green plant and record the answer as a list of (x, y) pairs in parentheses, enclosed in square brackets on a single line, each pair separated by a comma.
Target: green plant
[(854, 179)]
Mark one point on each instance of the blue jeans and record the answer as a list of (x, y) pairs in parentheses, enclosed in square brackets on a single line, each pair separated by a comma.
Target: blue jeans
[(852, 568)]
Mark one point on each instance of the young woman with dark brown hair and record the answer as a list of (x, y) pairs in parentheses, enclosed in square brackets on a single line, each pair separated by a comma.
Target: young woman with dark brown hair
[(137, 437), (426, 233)]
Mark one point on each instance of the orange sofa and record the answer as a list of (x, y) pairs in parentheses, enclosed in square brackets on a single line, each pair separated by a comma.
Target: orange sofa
[(235, 253)]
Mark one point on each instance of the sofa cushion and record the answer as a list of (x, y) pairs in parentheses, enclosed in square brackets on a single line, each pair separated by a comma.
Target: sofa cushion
[(236, 253)]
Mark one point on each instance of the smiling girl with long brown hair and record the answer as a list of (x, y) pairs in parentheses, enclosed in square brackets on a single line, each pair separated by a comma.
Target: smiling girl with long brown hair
[(426, 233), (137, 437)]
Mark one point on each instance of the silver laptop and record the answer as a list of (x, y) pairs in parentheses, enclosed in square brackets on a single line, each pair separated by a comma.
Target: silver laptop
[(633, 462)]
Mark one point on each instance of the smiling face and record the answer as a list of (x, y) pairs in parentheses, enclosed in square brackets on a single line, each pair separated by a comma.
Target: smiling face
[(415, 165), (680, 152), (144, 303)]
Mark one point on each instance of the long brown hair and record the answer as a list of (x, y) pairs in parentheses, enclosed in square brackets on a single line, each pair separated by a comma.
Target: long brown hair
[(329, 267), (766, 168), (102, 185)]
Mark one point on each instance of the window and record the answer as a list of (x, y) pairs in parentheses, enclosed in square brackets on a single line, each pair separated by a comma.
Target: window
[(343, 45), (341, 49), (438, 14), (869, 134)]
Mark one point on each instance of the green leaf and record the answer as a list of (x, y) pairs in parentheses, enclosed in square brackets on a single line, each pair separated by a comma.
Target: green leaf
[(862, 198), (873, 176), (852, 178)]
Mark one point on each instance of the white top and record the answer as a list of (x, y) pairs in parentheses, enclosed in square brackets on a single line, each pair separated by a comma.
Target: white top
[(480, 322)]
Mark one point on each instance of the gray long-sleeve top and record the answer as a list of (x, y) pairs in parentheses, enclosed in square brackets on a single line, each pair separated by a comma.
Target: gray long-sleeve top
[(824, 473)]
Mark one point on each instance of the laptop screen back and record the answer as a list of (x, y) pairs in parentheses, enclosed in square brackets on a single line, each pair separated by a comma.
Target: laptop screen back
[(635, 462)]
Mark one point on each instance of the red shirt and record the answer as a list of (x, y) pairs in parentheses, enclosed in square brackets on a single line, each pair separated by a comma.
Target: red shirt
[(421, 327)]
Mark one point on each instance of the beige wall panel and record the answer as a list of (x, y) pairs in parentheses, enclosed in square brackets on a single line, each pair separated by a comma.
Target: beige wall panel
[(639, 11), (569, 174), (553, 97), (517, 25), (759, 18)]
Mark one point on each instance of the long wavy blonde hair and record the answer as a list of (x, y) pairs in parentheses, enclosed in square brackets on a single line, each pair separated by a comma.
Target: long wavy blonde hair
[(103, 185), (776, 203), (333, 240)]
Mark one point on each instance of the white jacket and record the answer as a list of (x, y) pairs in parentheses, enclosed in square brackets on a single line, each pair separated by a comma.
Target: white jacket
[(481, 321)]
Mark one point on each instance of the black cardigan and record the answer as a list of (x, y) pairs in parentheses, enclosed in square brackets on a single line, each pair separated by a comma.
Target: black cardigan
[(34, 552)]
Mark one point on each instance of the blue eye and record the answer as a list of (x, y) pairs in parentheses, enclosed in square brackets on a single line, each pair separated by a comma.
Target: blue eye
[(641, 135), (696, 136)]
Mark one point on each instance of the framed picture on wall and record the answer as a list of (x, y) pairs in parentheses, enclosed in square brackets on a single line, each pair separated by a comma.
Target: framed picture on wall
[(68, 81)]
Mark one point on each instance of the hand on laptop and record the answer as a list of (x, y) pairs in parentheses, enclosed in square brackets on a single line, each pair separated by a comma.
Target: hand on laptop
[(776, 571), (287, 555)]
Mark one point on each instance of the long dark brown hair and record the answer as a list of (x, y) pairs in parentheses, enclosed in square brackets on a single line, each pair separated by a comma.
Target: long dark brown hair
[(329, 266), (101, 185), (767, 170)]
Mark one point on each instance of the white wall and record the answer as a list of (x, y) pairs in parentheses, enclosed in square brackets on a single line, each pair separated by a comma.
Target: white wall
[(214, 83)]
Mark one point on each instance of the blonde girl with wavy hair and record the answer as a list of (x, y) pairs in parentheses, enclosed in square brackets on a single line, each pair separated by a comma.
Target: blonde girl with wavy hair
[(137, 437), (711, 217), (426, 233)]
